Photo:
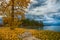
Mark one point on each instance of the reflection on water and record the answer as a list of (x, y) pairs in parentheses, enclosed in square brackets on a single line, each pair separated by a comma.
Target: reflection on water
[(52, 28)]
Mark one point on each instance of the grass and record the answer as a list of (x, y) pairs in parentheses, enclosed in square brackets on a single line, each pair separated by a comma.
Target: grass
[(7, 34)]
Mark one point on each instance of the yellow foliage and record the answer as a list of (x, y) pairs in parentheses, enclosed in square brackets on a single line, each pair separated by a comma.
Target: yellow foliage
[(12, 10)]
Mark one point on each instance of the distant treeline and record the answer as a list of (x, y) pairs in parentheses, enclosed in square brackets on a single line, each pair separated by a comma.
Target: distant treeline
[(32, 23)]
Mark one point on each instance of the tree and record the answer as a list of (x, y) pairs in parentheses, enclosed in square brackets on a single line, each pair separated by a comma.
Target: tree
[(12, 9)]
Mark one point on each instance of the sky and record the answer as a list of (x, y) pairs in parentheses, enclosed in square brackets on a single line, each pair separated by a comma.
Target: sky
[(41, 7), (50, 9)]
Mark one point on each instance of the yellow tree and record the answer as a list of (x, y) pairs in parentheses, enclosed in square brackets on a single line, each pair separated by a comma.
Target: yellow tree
[(12, 10)]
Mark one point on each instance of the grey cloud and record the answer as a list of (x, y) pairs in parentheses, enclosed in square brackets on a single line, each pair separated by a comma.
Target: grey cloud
[(38, 4)]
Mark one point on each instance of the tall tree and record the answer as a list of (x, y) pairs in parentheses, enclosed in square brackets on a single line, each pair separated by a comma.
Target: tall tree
[(12, 10)]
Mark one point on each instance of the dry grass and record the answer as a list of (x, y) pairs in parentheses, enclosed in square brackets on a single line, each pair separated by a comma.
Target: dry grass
[(7, 34)]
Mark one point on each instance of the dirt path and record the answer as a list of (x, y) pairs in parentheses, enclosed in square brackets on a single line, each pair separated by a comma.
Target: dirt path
[(28, 36)]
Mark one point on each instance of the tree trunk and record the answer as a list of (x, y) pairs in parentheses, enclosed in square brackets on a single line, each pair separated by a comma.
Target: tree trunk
[(12, 16)]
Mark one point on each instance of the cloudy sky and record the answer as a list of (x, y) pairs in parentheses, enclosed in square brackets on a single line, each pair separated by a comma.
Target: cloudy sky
[(50, 9), (40, 7)]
